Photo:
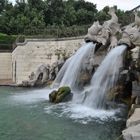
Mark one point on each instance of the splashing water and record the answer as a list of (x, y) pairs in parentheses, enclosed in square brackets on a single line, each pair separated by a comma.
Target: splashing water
[(70, 72), (104, 78)]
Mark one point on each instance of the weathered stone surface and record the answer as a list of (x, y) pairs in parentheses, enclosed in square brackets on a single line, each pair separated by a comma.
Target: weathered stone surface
[(134, 119), (132, 133), (5, 66), (133, 107), (136, 53), (136, 88), (27, 56), (63, 94), (131, 34), (37, 78)]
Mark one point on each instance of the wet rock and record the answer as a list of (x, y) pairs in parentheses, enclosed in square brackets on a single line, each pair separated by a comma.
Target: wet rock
[(116, 93), (84, 79), (63, 94), (136, 88), (52, 96)]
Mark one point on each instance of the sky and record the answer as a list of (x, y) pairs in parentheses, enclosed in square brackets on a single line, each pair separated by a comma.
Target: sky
[(121, 4)]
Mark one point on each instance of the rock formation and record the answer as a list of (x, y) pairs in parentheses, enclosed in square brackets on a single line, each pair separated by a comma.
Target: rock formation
[(43, 74), (37, 78)]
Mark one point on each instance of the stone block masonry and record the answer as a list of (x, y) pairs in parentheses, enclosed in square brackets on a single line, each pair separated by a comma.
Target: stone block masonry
[(5, 65)]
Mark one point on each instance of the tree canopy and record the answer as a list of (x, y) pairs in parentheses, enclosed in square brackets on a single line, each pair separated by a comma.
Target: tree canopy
[(39, 14)]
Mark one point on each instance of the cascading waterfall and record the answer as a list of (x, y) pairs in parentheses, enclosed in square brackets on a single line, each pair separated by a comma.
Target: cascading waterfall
[(70, 72), (61, 73), (104, 78)]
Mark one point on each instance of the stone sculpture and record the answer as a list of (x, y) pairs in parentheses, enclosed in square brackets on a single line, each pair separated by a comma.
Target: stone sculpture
[(106, 33), (39, 77), (131, 34)]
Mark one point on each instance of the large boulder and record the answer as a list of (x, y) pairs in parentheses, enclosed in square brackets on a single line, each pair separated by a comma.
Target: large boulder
[(63, 94)]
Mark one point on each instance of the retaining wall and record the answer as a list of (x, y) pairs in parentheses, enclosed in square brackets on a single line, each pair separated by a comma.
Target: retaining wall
[(29, 55)]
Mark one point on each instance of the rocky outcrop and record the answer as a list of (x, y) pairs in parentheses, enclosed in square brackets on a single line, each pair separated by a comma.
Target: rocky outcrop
[(43, 74), (55, 67), (132, 132), (63, 94), (37, 78)]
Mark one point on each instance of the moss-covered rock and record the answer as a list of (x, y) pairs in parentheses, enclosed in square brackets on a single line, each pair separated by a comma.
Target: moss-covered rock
[(61, 95), (52, 96)]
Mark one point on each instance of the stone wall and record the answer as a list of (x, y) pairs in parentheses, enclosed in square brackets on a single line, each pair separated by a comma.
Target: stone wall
[(33, 52), (5, 65)]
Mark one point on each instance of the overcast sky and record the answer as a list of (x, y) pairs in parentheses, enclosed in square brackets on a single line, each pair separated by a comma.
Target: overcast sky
[(122, 4)]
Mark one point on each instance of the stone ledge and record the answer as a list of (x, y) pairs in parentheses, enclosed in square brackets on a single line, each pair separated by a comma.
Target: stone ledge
[(132, 133), (134, 119), (51, 39)]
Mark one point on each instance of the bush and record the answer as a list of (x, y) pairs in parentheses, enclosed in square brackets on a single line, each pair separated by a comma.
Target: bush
[(6, 41)]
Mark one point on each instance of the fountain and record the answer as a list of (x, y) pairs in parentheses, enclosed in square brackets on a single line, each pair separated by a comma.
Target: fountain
[(107, 74), (79, 62), (104, 78), (88, 108)]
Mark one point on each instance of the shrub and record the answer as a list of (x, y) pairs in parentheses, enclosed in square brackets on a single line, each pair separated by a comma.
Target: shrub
[(6, 41)]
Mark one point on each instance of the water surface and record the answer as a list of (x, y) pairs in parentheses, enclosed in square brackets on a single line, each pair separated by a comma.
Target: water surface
[(26, 114)]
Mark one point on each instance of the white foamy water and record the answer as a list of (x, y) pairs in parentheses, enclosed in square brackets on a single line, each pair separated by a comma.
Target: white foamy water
[(77, 112), (81, 113), (31, 96), (104, 78), (70, 72)]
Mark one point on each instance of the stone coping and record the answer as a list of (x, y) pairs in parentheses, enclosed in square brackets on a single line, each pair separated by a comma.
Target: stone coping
[(45, 40)]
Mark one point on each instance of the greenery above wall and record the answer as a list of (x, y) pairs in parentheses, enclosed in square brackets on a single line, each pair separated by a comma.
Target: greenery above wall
[(50, 19), (6, 41), (38, 14)]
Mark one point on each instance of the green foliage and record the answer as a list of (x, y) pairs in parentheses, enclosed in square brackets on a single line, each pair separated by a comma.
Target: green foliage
[(6, 41), (124, 17), (66, 17), (39, 14)]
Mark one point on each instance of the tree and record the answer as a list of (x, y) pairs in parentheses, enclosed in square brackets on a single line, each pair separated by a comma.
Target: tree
[(55, 12), (2, 3), (38, 14)]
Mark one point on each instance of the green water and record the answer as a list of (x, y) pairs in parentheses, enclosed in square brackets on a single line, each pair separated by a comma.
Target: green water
[(25, 118)]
